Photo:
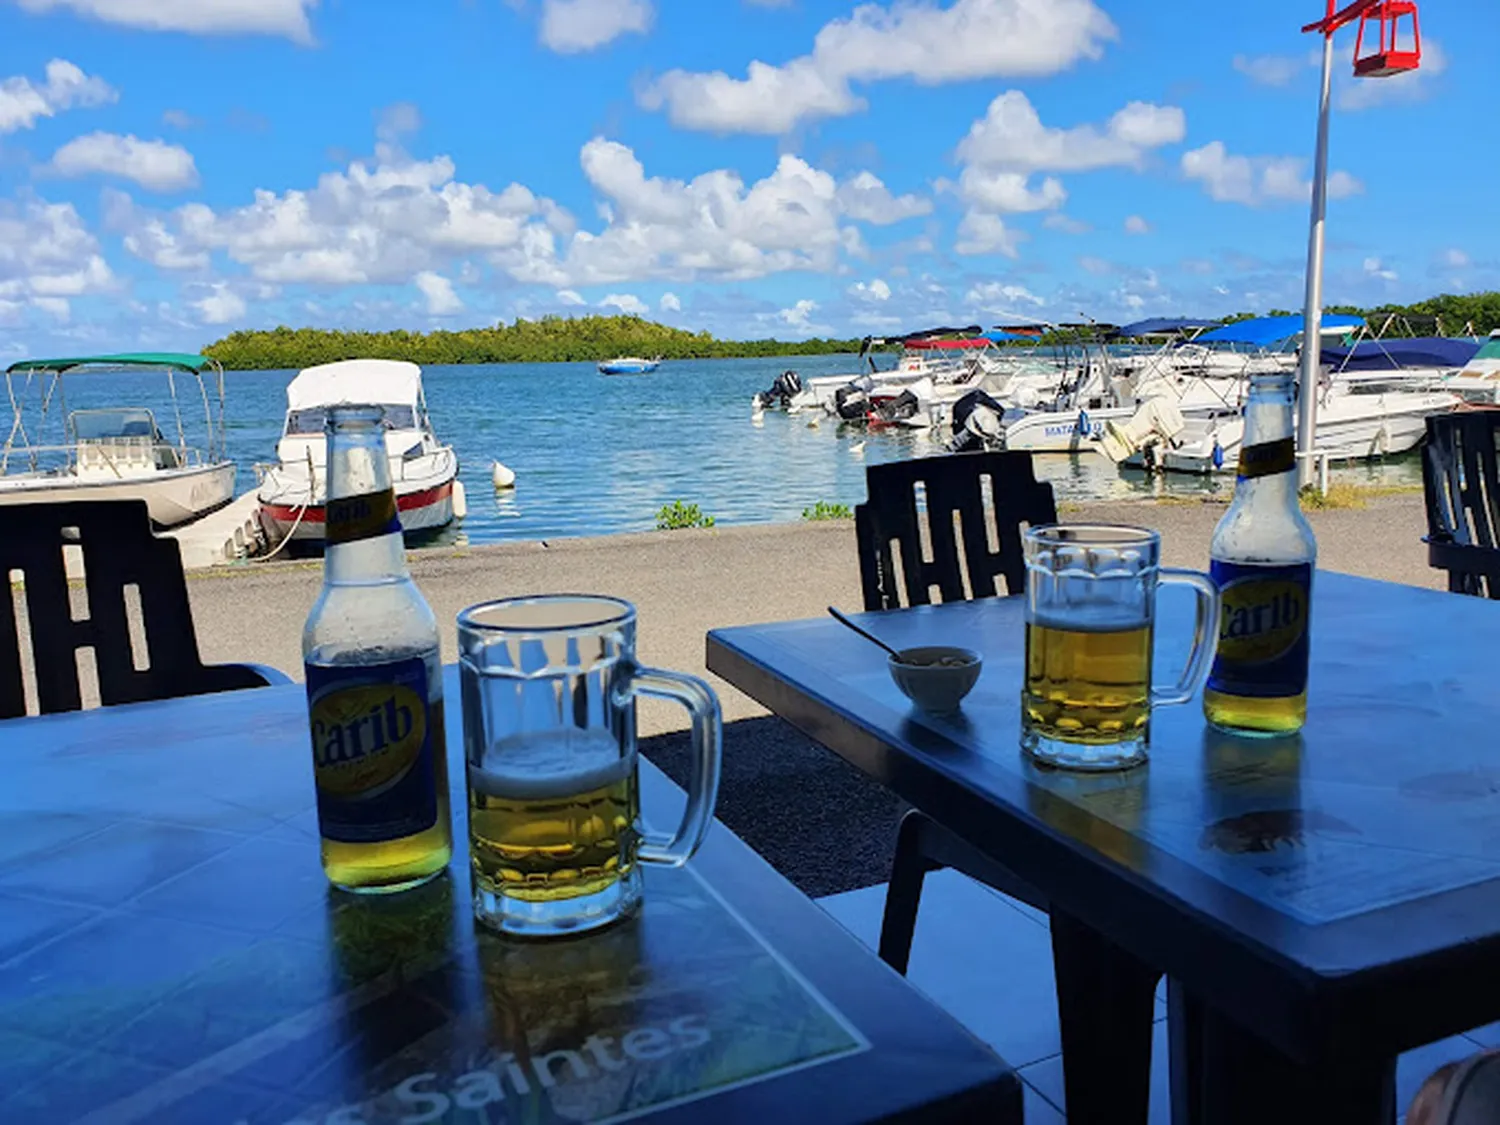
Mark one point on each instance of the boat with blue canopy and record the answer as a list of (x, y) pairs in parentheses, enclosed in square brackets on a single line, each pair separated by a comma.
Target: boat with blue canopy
[(117, 451), (629, 365)]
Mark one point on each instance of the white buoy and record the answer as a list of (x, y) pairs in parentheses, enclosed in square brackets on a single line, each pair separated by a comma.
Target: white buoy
[(460, 500), (813, 422), (503, 477), (858, 449)]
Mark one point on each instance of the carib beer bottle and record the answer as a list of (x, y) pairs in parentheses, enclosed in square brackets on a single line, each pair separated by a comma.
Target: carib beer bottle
[(374, 680), (1263, 552)]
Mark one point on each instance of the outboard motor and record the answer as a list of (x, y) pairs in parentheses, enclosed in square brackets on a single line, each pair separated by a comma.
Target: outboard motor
[(903, 406), (976, 423), (851, 402), (788, 385)]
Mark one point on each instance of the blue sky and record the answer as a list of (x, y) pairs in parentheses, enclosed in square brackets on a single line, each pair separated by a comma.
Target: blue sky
[(171, 170)]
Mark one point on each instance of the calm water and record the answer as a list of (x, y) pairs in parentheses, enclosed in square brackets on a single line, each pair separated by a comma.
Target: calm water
[(595, 454)]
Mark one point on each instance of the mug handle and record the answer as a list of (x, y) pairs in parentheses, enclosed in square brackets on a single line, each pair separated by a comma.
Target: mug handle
[(1205, 634), (703, 791)]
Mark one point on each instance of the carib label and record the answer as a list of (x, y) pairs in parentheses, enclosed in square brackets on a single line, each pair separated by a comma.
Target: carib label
[(372, 750), (1263, 637), (349, 519)]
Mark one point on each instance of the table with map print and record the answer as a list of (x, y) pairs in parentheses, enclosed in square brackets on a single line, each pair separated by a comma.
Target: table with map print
[(171, 952)]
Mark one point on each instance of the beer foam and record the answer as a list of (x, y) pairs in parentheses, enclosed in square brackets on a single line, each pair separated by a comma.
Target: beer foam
[(544, 765), (1093, 619)]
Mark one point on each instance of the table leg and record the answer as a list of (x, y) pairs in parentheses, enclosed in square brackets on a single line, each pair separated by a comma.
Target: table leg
[(1185, 1038), (1106, 1007), (1245, 1080)]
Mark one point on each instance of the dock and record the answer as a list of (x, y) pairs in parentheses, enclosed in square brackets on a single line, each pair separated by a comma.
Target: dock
[(232, 533)]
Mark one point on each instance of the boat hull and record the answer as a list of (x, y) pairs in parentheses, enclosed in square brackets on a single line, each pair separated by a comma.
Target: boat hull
[(172, 497)]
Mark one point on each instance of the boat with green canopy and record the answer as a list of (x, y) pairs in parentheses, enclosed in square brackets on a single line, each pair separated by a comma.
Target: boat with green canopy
[(117, 452)]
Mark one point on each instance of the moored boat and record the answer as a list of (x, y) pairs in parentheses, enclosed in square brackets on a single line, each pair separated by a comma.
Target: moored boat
[(423, 470), (629, 365), (115, 452)]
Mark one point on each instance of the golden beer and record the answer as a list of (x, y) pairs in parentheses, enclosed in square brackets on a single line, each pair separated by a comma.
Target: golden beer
[(1274, 715), (552, 816), (1087, 685)]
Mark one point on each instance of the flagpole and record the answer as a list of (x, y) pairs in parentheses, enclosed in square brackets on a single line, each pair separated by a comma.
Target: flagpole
[(1312, 309)]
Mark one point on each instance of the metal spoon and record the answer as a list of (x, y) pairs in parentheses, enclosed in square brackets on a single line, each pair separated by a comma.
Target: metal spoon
[(841, 619)]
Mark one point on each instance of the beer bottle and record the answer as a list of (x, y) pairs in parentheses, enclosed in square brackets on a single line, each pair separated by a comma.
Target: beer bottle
[(1262, 554), (374, 680)]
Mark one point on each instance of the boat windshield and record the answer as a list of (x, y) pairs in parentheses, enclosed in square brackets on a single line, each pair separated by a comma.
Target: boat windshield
[(99, 425), (310, 420)]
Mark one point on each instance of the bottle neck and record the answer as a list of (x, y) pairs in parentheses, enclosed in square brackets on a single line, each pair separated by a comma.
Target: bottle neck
[(363, 543), (1268, 462)]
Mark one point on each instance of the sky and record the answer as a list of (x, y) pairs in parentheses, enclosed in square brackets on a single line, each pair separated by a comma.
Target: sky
[(173, 170)]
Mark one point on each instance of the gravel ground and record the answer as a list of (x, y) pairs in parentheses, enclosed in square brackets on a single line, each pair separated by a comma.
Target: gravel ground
[(780, 790)]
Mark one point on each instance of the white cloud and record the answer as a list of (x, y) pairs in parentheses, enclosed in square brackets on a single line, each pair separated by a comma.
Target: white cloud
[(1058, 221), (1376, 269), (1009, 192), (146, 235), (1135, 224), (381, 221), (202, 17), (711, 226), (865, 197), (571, 26), (969, 39), (180, 119), (46, 251), (438, 290), (627, 303), (670, 302), (876, 290), (570, 297), (998, 295), (155, 165), (1096, 266), (56, 307), (22, 101), (221, 306), (1455, 258), (798, 317), (397, 120), (1271, 70), (1254, 180), (1413, 86), (1011, 136), (981, 233)]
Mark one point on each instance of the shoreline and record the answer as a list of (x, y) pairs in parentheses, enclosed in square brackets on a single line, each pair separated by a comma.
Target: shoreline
[(688, 581)]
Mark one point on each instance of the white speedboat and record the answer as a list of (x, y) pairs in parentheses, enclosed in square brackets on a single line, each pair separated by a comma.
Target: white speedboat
[(423, 470), (116, 452), (628, 365)]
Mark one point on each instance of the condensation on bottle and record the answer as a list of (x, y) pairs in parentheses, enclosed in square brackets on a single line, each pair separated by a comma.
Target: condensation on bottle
[(1263, 556), (374, 680)]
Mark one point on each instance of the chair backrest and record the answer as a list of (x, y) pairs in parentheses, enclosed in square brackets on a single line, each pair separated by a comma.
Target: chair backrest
[(1462, 489), (118, 551), (985, 545)]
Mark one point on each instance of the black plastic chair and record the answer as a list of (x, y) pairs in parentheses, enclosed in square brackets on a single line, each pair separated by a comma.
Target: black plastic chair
[(965, 563), (118, 552), (1459, 479)]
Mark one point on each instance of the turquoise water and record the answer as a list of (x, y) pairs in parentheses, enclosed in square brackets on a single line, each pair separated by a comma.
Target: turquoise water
[(595, 454)]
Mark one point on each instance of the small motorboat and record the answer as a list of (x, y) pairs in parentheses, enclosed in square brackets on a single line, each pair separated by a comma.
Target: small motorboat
[(115, 452), (629, 365), (423, 470)]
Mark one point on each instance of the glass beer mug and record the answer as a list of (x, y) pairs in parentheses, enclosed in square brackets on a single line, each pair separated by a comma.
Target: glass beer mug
[(555, 834), (1090, 625)]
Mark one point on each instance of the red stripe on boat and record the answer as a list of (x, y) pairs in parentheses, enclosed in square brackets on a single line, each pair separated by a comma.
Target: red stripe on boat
[(284, 513)]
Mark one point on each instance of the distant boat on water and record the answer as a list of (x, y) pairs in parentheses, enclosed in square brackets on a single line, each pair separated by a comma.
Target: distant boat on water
[(629, 365)]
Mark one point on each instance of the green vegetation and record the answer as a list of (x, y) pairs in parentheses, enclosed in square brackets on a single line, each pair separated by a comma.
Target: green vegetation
[(822, 510), (677, 515), (1350, 496), (553, 338)]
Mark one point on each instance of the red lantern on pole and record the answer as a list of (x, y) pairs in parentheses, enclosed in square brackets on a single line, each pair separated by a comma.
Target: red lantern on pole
[(1385, 19)]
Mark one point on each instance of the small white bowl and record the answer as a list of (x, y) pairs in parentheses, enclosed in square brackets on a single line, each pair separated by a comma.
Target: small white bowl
[(935, 677)]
